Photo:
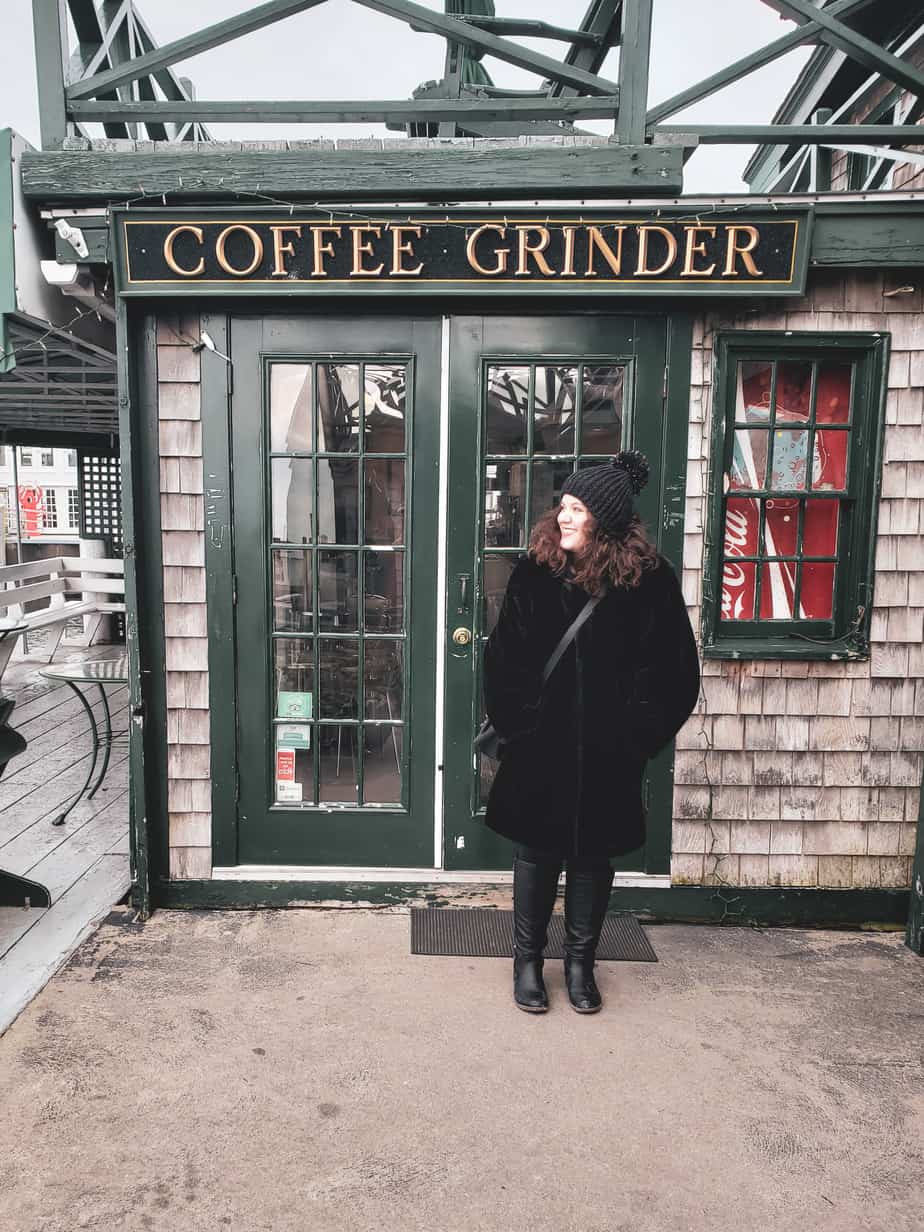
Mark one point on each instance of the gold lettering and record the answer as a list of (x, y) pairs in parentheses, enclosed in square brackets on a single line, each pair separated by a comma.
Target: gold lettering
[(171, 259), (568, 262), (644, 232), (220, 250), (596, 242), (359, 249), (279, 268), (320, 248), (526, 250), (734, 249), (501, 253), (400, 246), (691, 249)]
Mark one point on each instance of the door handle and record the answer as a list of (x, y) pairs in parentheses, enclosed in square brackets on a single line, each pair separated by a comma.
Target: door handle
[(465, 589)]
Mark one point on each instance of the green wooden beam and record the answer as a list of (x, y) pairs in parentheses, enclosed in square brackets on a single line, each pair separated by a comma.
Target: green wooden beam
[(747, 64), (457, 31), (191, 45), (49, 28), (399, 111), (869, 239), (915, 934), (805, 134), (634, 56), (863, 50), (602, 19), (531, 29), (431, 174)]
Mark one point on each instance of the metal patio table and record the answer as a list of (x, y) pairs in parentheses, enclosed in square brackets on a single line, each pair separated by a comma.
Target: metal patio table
[(81, 677), (10, 629)]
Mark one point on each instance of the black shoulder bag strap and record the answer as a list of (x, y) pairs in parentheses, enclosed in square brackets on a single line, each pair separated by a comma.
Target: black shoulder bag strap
[(570, 634)]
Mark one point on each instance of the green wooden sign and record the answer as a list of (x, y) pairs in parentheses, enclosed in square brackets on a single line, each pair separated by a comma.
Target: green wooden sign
[(737, 251)]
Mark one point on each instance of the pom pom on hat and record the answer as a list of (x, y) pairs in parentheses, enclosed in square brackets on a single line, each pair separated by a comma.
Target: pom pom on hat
[(634, 462)]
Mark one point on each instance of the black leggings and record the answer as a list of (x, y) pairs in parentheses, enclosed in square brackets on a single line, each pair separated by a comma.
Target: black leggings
[(543, 857)]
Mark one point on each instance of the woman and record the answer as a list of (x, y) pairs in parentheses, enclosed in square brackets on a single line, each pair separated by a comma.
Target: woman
[(568, 788)]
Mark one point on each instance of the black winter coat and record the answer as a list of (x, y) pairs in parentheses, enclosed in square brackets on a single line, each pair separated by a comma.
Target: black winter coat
[(571, 778)]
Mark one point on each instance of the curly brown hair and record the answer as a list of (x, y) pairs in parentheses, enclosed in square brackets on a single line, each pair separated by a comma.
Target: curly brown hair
[(607, 561)]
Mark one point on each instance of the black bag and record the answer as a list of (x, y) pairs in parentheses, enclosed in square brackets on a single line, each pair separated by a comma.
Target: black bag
[(488, 742)]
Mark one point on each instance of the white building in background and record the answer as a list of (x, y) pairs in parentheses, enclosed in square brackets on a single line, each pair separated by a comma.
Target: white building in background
[(41, 490)]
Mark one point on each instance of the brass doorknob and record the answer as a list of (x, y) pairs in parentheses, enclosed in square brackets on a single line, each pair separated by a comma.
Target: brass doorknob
[(461, 636)]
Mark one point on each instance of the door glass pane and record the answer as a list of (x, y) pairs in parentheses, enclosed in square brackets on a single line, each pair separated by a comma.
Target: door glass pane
[(793, 392), (790, 454), (831, 446), (291, 408), (384, 678), (382, 764), (338, 408), (497, 571), (384, 592), (781, 527), (749, 459), (338, 763), (294, 673), (832, 398), (753, 392), (338, 597), (507, 409), (294, 764), (338, 500), (817, 598), (548, 480), (339, 678), (554, 409), (505, 504), (778, 590), (601, 411), (384, 513), (385, 388), (291, 500), (819, 534), (292, 591)]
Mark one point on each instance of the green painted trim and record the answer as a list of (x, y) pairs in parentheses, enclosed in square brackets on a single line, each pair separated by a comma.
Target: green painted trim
[(857, 570), (875, 238), (915, 931), (7, 246), (763, 906)]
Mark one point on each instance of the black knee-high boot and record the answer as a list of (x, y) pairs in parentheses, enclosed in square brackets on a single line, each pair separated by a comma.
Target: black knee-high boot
[(587, 896), (535, 885)]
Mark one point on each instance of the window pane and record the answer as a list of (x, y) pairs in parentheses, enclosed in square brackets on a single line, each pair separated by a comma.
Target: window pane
[(294, 668), (294, 770), (338, 598), (753, 392), (749, 459), (384, 678), (738, 590), (548, 479), (781, 526), (793, 392), (831, 446), (338, 500), (553, 430), (820, 530), (384, 599), (291, 408), (777, 590), (506, 409), (382, 764), (384, 500), (817, 598), (504, 504), (601, 414), (338, 765), (291, 500), (339, 672), (338, 408), (790, 453), (497, 571), (385, 389), (292, 591), (832, 399)]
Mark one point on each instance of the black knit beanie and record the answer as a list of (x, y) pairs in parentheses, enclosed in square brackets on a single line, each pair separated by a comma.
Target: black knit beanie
[(609, 491)]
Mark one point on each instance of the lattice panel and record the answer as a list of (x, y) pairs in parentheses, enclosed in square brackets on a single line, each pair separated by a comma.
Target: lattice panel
[(99, 484)]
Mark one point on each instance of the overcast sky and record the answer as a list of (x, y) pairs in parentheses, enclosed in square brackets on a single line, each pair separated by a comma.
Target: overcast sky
[(341, 50)]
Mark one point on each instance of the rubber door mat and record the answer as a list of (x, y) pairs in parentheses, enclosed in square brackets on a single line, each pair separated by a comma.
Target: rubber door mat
[(475, 932)]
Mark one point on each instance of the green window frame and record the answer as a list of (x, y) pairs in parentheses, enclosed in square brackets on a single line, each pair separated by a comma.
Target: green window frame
[(790, 537)]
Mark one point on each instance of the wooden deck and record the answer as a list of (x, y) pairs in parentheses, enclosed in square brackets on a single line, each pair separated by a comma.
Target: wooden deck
[(84, 863)]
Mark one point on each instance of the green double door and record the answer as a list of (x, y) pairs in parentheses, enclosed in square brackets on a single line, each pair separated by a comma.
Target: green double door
[(386, 473)]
